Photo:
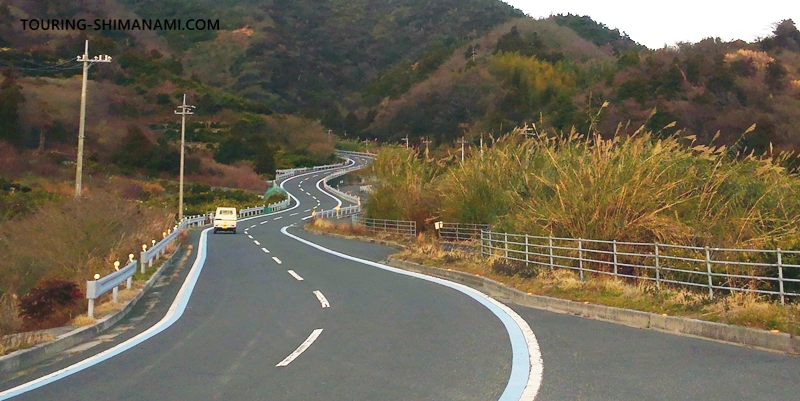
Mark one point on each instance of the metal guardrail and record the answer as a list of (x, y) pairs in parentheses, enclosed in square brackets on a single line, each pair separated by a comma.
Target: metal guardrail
[(351, 153), (335, 214), (717, 269), (274, 207), (100, 286), (283, 174)]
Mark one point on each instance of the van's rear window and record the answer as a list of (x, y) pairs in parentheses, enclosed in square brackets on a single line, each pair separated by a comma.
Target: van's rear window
[(226, 212)]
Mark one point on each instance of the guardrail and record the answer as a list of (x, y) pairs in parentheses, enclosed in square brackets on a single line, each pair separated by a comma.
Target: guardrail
[(334, 213), (351, 153), (111, 282), (717, 269), (100, 286), (283, 174), (274, 207)]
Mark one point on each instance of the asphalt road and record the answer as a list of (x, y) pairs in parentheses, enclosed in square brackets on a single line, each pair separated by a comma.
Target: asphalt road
[(384, 337)]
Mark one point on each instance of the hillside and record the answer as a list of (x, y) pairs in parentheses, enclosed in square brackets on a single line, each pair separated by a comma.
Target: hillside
[(559, 72), (261, 84)]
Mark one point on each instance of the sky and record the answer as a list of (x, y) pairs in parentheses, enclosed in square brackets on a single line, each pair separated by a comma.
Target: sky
[(656, 24)]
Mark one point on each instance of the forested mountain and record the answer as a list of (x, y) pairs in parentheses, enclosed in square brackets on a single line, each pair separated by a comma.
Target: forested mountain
[(314, 60), (278, 74)]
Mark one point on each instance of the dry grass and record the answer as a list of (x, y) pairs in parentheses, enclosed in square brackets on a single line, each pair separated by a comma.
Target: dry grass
[(74, 239), (15, 342)]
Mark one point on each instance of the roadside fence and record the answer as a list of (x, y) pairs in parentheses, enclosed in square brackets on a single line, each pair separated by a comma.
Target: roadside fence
[(773, 272)]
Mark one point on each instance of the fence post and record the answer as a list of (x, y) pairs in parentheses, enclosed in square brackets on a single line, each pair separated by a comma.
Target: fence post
[(482, 242), (710, 279), (615, 258), (658, 270), (115, 291), (505, 244), (142, 261), (580, 256), (780, 277), (550, 246), (526, 250), (90, 313)]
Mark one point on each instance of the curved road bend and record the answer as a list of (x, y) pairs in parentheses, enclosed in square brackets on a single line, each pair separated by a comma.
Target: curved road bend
[(384, 336)]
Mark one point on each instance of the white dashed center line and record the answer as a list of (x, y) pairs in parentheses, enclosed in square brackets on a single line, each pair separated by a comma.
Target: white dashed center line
[(294, 214), (278, 261), (295, 275), (256, 242), (278, 218), (304, 346), (263, 222), (249, 236), (265, 250), (322, 300)]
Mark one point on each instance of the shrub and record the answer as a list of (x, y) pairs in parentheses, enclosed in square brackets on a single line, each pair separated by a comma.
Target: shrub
[(47, 300), (513, 268)]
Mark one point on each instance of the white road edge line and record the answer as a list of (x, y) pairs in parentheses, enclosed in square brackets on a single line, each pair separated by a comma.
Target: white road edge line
[(322, 300), (304, 346), (295, 275), (256, 242), (265, 250), (275, 258), (174, 313), (526, 362)]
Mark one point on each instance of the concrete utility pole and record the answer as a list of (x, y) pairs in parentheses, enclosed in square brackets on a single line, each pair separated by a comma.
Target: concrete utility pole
[(406, 140), (426, 142), (84, 58), (184, 111)]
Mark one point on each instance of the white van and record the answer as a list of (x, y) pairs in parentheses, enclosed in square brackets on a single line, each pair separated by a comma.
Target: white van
[(225, 219)]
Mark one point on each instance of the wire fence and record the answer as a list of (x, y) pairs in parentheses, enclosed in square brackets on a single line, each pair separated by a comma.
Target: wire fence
[(770, 272)]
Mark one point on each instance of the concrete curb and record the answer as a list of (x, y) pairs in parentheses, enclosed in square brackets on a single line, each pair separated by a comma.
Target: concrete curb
[(27, 357), (738, 335)]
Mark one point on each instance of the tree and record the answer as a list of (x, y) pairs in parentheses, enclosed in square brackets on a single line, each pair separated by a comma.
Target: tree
[(135, 149), (775, 75), (10, 99), (787, 36)]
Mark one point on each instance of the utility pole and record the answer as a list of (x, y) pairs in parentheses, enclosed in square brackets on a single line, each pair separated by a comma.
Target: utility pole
[(426, 142), (86, 64), (481, 145), (473, 53), (406, 140), (184, 111)]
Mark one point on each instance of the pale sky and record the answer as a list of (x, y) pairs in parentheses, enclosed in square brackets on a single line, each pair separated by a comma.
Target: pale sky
[(655, 24)]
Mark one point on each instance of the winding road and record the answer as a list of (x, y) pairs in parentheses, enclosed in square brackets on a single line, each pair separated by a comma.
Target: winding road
[(274, 313)]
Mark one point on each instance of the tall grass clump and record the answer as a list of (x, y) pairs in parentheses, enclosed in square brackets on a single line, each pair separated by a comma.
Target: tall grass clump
[(405, 190), (637, 188)]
